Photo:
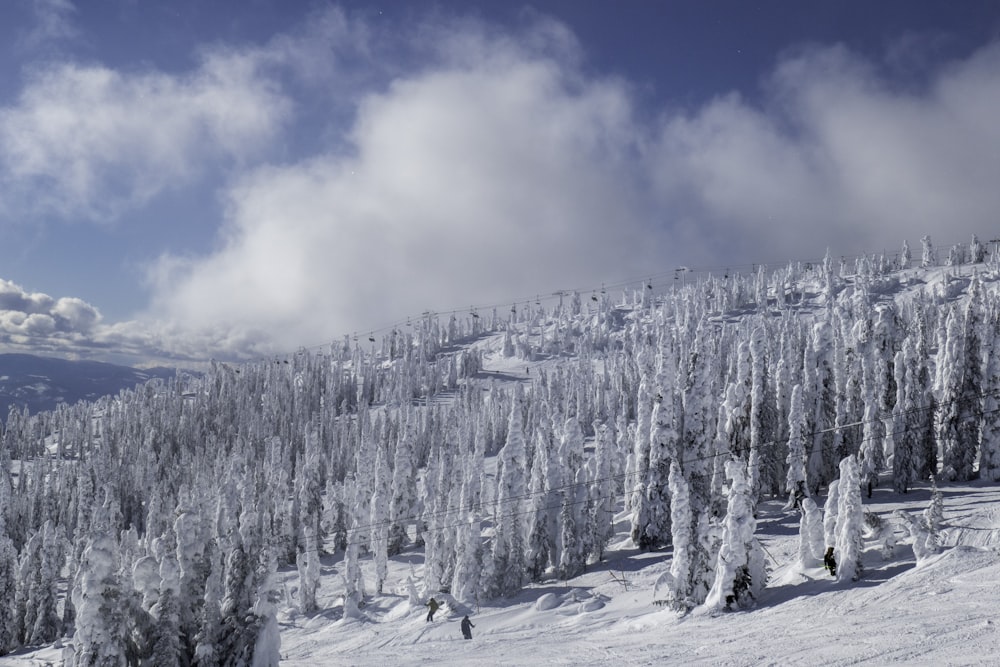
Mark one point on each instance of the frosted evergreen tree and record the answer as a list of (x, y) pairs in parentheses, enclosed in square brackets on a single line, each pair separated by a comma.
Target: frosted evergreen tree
[(8, 562), (540, 545), (193, 571), (267, 643), (989, 452), (575, 526), (167, 649), (353, 582), (904, 439), (795, 480), (465, 580), (934, 514), (830, 509), (960, 384), (379, 522), (508, 541), (850, 522), (401, 505), (811, 539), (905, 256), (99, 638), (820, 403), (927, 252), (37, 594), (873, 429), (641, 453), (924, 544), (763, 463), (651, 509), (679, 594), (8, 586), (740, 572), (977, 251), (602, 490), (206, 652)]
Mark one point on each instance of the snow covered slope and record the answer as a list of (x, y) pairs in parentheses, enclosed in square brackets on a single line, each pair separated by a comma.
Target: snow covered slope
[(452, 394)]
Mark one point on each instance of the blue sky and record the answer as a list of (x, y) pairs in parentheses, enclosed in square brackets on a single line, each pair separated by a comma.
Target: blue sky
[(190, 179)]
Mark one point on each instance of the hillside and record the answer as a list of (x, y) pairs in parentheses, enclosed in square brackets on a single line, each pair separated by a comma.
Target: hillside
[(512, 468)]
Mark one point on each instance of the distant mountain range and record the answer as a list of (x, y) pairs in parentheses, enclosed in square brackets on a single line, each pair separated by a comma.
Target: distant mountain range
[(41, 383)]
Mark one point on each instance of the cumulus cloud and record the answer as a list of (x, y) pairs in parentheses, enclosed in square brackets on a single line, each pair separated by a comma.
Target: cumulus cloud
[(837, 157), (497, 174), (87, 142), (35, 321), (482, 166), (502, 170)]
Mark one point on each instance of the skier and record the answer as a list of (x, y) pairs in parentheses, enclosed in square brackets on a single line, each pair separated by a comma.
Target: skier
[(434, 606), (829, 562), (467, 628)]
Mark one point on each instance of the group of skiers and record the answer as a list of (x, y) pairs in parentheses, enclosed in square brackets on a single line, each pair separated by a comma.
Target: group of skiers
[(433, 605)]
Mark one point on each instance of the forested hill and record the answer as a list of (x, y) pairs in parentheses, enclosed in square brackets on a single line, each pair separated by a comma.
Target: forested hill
[(41, 383), (491, 453)]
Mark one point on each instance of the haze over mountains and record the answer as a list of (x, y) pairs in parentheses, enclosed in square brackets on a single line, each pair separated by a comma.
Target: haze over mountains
[(42, 383)]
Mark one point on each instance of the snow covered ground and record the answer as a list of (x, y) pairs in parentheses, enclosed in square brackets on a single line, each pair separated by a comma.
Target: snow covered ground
[(942, 612)]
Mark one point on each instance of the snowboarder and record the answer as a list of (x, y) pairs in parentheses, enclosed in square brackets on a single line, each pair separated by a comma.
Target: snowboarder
[(829, 562), (434, 606), (467, 628)]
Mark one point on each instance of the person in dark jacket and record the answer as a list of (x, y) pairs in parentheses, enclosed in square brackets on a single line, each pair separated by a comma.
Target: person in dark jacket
[(467, 628), (434, 605), (829, 562)]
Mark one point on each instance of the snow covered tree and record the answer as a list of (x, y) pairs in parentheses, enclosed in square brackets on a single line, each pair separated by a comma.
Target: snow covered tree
[(651, 508), (379, 521), (694, 531), (508, 542), (850, 522), (210, 614), (100, 626), (989, 452), (927, 252), (811, 539), (741, 572), (924, 544), (934, 514), (167, 648), (830, 508), (540, 547), (354, 591), (602, 523), (401, 506), (795, 480), (37, 594), (574, 513), (8, 586), (960, 384)]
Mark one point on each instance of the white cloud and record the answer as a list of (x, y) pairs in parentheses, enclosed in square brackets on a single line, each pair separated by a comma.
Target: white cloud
[(492, 166), (54, 24), (32, 321), (495, 175), (838, 158), (502, 170), (87, 142)]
